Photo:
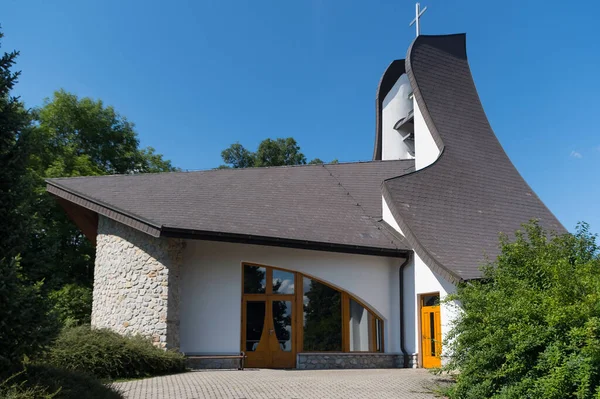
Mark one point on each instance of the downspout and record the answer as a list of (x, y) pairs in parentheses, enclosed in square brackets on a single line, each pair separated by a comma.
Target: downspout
[(401, 296)]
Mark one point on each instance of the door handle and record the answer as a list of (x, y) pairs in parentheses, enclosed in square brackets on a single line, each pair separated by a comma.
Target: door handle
[(271, 332)]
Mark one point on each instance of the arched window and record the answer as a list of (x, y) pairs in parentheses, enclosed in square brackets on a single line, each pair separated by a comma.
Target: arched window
[(300, 313)]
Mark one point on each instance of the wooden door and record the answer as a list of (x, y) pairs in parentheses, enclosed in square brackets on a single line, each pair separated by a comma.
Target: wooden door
[(268, 332), (255, 332), (281, 331), (431, 336)]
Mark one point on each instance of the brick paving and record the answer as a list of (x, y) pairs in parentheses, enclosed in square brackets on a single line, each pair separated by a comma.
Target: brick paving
[(279, 384)]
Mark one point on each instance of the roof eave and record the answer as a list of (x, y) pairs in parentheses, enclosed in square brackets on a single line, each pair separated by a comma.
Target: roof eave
[(282, 242), (103, 209)]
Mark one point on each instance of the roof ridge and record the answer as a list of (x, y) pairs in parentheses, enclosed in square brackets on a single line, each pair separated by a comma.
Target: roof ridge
[(364, 211), (215, 170)]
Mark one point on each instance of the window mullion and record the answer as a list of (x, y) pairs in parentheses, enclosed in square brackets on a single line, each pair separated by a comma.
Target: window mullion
[(345, 322)]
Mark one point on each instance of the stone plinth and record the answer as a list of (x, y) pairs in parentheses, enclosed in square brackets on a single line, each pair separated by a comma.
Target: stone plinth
[(315, 361)]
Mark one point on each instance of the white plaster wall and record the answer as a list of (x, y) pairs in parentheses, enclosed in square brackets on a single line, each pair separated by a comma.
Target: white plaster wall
[(396, 105), (211, 288), (427, 281), (426, 151), (420, 279), (386, 215)]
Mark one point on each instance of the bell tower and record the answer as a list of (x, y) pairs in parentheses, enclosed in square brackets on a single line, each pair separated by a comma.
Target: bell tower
[(400, 130)]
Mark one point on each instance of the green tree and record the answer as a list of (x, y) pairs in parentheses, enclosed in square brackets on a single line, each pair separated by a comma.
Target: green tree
[(238, 157), (25, 325), (72, 304), (76, 137), (278, 152), (15, 125), (530, 328)]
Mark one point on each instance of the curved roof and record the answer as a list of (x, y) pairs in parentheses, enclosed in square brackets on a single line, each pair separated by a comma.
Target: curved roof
[(452, 211)]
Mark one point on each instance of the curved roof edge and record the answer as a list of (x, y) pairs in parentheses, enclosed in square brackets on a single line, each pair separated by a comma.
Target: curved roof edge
[(452, 211), (419, 249), (387, 82), (455, 44)]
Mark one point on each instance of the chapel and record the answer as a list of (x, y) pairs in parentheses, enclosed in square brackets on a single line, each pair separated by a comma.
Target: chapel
[(315, 266)]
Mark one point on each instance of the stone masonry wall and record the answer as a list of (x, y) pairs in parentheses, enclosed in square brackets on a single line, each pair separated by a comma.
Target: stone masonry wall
[(136, 283), (201, 364)]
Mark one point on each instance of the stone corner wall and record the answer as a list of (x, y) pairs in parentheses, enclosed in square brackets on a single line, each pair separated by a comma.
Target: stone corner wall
[(136, 283)]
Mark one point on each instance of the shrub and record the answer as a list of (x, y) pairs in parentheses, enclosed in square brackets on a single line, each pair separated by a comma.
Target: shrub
[(531, 327), (43, 382), (72, 304), (108, 355), (26, 325)]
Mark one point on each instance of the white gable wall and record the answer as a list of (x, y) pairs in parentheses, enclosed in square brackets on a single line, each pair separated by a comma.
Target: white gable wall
[(426, 151), (396, 105), (420, 279), (426, 281), (211, 284)]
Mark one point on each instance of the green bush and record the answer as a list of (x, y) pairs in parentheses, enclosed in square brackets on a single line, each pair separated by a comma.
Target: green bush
[(531, 327), (72, 304), (26, 325), (43, 382), (108, 355)]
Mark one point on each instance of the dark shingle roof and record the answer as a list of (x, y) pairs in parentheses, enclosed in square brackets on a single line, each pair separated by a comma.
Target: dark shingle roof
[(452, 211), (335, 204)]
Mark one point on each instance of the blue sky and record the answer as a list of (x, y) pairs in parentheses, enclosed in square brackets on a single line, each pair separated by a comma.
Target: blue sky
[(196, 76)]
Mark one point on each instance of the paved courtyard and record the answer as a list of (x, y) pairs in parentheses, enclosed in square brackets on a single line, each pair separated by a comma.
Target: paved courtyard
[(276, 384)]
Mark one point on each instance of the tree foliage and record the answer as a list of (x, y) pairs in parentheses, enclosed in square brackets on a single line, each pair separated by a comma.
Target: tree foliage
[(26, 323), (76, 137), (278, 152), (25, 326), (83, 137), (72, 304), (531, 327), (15, 123)]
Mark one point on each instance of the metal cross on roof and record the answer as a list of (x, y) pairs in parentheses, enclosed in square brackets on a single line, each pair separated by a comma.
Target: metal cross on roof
[(418, 13)]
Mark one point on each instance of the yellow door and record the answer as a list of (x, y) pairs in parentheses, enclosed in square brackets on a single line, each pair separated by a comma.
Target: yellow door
[(431, 336)]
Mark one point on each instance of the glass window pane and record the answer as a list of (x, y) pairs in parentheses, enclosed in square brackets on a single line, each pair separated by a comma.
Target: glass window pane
[(322, 317), (431, 300), (255, 321), (283, 282), (255, 279), (432, 332), (360, 321), (282, 322)]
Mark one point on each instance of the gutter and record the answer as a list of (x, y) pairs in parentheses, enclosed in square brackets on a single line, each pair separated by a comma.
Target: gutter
[(401, 296), (279, 242)]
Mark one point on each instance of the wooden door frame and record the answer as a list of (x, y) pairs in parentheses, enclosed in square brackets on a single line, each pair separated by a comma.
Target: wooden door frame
[(297, 299), (420, 324), (268, 297)]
